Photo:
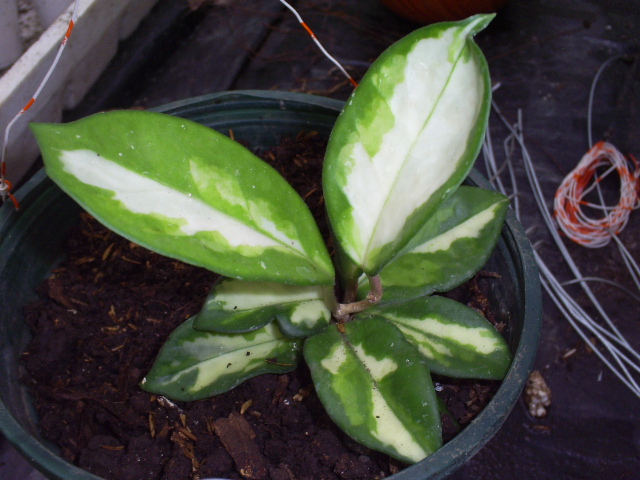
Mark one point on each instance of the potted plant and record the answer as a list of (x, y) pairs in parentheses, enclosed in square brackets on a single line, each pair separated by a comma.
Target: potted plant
[(299, 311)]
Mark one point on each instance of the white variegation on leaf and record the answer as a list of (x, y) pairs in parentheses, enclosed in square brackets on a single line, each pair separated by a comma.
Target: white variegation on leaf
[(404, 143), (406, 139), (452, 245), (456, 340), (377, 387), (188, 192), (239, 306), (193, 364)]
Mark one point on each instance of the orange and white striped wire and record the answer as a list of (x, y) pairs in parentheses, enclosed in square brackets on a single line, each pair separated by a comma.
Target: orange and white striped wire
[(317, 42), (5, 185), (570, 199)]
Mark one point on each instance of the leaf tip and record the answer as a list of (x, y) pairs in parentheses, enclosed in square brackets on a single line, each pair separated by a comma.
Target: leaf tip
[(479, 22)]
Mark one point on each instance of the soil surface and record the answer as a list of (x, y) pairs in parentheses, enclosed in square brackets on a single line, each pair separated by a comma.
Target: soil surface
[(101, 319)]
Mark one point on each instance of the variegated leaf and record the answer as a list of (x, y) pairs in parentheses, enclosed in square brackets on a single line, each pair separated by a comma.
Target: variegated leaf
[(187, 192), (407, 137), (454, 243), (193, 364), (456, 340), (376, 387), (239, 306)]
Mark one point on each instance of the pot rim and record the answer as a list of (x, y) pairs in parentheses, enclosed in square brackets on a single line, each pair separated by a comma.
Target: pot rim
[(452, 454)]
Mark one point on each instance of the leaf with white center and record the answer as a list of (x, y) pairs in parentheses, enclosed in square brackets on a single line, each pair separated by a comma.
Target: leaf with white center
[(456, 340), (454, 243), (406, 139), (193, 364), (376, 387), (239, 306), (187, 192)]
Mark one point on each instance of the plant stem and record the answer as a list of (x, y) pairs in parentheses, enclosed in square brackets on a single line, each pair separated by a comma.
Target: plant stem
[(351, 292), (345, 310)]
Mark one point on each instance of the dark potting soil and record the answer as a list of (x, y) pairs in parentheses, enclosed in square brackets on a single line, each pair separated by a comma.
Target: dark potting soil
[(103, 315)]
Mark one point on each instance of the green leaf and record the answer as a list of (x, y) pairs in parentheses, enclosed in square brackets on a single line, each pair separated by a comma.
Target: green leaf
[(239, 306), (406, 139), (454, 243), (456, 340), (193, 364), (376, 387), (187, 192)]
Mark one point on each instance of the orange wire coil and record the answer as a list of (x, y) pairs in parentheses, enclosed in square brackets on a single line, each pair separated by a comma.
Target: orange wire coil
[(570, 197)]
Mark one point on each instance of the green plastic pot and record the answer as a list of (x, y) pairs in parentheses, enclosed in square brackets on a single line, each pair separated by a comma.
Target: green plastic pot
[(31, 244)]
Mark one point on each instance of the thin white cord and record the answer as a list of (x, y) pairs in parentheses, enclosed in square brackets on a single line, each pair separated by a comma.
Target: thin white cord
[(317, 42), (622, 359), (592, 94), (4, 185)]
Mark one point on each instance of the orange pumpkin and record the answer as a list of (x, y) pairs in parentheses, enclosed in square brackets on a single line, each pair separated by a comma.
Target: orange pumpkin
[(430, 11)]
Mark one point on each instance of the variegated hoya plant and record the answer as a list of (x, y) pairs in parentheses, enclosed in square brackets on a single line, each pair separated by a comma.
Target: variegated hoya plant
[(403, 227)]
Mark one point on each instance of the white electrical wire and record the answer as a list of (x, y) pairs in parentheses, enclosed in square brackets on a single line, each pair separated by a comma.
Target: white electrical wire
[(5, 185), (620, 357), (317, 42)]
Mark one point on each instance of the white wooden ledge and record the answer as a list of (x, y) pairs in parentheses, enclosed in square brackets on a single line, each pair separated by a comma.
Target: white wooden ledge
[(100, 26)]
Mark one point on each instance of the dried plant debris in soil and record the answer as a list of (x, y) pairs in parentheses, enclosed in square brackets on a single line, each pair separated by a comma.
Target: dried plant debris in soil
[(102, 317)]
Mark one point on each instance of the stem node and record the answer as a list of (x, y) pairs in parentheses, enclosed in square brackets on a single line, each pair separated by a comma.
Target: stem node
[(345, 310)]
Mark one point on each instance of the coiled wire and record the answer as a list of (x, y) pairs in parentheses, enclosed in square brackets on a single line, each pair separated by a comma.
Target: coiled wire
[(570, 199)]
